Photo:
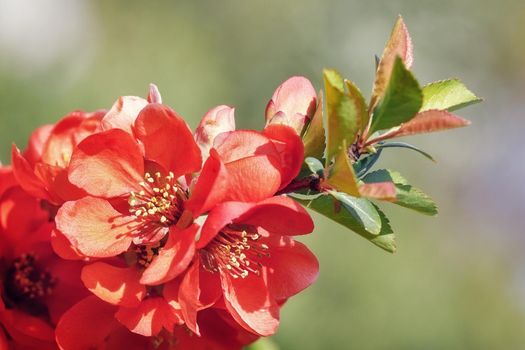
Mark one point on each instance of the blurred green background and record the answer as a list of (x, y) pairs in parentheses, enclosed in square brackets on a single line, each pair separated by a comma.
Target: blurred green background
[(458, 279)]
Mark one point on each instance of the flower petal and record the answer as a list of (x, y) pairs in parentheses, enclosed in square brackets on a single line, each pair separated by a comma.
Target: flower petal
[(279, 215), (291, 150), (199, 290), (222, 215), (26, 177), (249, 303), (291, 268), (211, 186), (37, 141), (94, 227), (217, 120), (108, 164), (149, 317), (295, 96), (63, 247), (86, 325), (123, 113), (167, 140), (173, 258), (115, 285)]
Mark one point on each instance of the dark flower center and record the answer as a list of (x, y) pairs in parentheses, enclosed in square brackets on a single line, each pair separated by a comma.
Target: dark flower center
[(235, 250), (26, 284), (161, 200)]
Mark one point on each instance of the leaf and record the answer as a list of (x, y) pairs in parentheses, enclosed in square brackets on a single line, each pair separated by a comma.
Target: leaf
[(424, 122), (407, 195), (342, 114), (362, 166), (404, 145), (359, 102), (448, 94), (401, 101), (325, 205), (314, 139), (385, 191), (342, 176), (399, 44), (315, 165), (362, 210)]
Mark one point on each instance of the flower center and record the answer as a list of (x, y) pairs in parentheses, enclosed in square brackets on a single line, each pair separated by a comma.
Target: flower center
[(161, 199), (146, 253), (236, 250), (26, 282)]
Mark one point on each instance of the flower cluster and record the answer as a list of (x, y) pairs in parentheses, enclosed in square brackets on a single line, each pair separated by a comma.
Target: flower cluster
[(125, 229)]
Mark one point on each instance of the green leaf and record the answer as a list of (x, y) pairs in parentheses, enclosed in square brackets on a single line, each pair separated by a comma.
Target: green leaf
[(359, 102), (448, 94), (342, 114), (314, 138), (362, 166), (342, 175), (398, 45), (407, 195), (362, 210), (336, 211), (401, 101), (315, 165), (404, 145)]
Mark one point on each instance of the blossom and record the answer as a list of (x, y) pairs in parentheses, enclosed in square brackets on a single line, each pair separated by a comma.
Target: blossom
[(37, 286), (293, 103), (42, 169), (219, 331), (247, 260), (216, 121)]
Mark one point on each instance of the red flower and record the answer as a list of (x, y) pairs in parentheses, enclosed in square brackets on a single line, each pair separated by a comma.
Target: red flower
[(37, 287), (42, 169), (247, 262), (219, 331), (293, 103)]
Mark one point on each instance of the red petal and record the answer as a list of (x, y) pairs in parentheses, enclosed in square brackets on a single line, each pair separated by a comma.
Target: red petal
[(20, 214), (291, 268), (149, 317), (243, 143), (167, 140), (291, 150), (60, 143), (68, 289), (295, 96), (199, 290), (57, 183), (211, 186), (154, 94), (248, 301), (94, 227), (216, 121), (86, 325), (253, 178), (279, 215), (26, 177), (173, 258), (28, 331), (37, 140), (63, 247), (7, 178), (108, 164), (123, 113), (115, 285), (220, 216)]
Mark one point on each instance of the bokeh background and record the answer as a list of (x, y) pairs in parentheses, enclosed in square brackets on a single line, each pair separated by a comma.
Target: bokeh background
[(458, 279)]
